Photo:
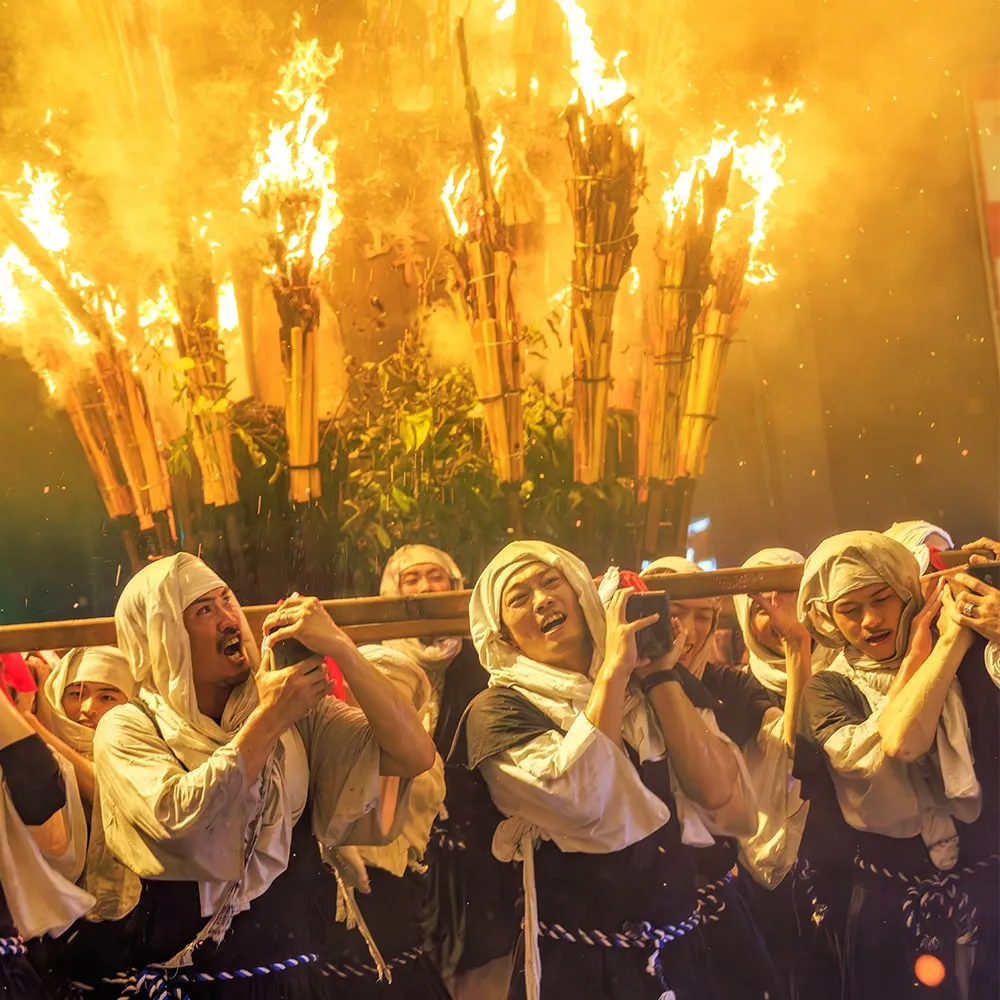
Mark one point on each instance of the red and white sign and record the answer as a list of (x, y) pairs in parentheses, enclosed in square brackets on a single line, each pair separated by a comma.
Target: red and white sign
[(984, 102)]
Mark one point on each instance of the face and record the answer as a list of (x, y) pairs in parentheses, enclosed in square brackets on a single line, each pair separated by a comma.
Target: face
[(213, 626), (697, 618), (424, 578), (763, 631), (868, 618), (543, 618), (87, 702)]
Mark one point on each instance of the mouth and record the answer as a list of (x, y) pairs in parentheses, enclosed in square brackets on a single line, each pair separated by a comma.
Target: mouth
[(232, 648), (880, 638), (552, 622)]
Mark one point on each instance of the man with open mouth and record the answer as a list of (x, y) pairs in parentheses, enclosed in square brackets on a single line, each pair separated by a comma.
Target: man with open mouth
[(216, 782), (890, 716)]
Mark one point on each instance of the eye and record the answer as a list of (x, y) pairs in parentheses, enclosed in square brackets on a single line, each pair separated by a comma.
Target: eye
[(551, 581), (517, 601)]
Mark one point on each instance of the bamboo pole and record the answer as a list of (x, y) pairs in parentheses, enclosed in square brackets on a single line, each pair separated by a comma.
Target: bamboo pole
[(375, 619)]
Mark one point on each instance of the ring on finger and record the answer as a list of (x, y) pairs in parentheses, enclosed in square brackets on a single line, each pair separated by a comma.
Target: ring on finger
[(969, 609)]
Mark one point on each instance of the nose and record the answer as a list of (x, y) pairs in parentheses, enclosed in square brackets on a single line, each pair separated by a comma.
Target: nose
[(871, 620), (87, 707), (542, 601), (228, 618), (423, 585)]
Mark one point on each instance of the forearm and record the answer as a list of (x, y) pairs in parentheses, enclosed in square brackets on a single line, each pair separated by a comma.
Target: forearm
[(909, 721), (704, 764), (13, 725), (256, 739), (798, 668), (406, 749), (606, 706)]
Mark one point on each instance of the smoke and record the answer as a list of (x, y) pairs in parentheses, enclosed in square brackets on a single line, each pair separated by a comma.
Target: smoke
[(446, 338)]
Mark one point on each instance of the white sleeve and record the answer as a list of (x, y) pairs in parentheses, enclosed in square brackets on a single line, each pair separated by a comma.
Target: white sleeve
[(344, 761), (773, 849), (160, 820), (579, 790), (700, 826)]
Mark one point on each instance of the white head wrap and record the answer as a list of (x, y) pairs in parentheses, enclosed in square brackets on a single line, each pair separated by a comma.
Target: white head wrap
[(151, 630), (914, 535), (768, 667), (678, 564), (100, 664), (857, 559), (434, 655)]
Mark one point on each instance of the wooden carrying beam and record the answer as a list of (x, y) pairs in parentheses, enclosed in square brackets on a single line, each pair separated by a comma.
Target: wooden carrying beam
[(375, 619)]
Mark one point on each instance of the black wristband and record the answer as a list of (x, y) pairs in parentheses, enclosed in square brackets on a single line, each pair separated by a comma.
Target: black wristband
[(650, 681)]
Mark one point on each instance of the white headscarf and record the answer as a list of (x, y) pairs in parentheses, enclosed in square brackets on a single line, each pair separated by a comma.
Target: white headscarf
[(914, 535), (857, 559), (149, 619), (768, 667), (434, 655), (557, 692), (100, 664), (678, 564)]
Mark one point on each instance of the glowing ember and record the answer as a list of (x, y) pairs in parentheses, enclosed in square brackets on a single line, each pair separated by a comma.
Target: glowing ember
[(588, 65), (451, 196), (12, 309), (295, 172)]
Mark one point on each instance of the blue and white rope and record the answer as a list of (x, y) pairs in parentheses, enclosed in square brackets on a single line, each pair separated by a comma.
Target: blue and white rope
[(166, 984), (641, 935), (710, 907), (346, 971), (12, 945)]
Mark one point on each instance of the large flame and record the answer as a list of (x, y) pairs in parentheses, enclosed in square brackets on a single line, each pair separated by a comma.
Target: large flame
[(589, 67), (297, 164), (460, 198), (756, 177), (229, 317)]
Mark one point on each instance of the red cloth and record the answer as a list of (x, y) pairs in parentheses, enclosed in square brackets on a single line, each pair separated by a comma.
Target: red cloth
[(14, 673), (935, 564), (336, 677), (627, 578)]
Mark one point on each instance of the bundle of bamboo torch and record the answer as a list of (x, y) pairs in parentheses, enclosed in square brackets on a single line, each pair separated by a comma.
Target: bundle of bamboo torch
[(482, 296), (604, 191)]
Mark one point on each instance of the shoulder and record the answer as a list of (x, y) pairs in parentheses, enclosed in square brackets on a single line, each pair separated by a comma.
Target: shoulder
[(497, 719), (830, 701), (124, 724)]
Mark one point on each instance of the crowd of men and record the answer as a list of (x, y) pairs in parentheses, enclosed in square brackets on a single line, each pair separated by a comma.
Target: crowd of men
[(556, 809)]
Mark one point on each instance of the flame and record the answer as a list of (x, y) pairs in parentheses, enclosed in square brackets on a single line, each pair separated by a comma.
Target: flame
[(460, 199), (41, 207), (756, 177), (451, 196), (12, 308), (296, 162), (506, 9), (633, 280), (588, 65), (229, 317)]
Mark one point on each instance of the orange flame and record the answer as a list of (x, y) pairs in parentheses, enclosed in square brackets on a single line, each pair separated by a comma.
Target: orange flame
[(589, 67), (296, 161), (757, 177), (460, 199)]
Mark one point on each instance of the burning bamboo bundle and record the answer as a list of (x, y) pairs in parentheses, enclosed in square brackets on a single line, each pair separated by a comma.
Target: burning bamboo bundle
[(40, 235), (198, 340), (293, 191), (480, 287), (608, 178)]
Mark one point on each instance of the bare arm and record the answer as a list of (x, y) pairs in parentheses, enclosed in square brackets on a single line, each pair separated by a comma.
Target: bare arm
[(406, 749), (704, 764), (909, 721), (798, 670)]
